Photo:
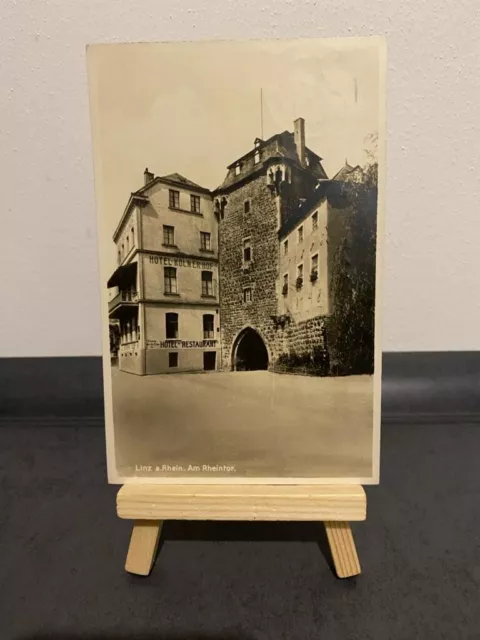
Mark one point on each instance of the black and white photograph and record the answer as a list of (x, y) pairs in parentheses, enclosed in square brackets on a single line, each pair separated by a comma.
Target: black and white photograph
[(239, 192)]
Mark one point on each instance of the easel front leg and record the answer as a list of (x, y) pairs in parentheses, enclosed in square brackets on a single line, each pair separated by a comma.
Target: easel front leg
[(343, 549), (143, 546)]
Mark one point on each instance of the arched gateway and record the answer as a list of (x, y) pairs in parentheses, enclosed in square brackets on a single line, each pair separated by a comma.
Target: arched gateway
[(249, 351)]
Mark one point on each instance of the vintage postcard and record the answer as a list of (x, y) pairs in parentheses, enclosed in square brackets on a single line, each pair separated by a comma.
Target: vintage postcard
[(240, 199)]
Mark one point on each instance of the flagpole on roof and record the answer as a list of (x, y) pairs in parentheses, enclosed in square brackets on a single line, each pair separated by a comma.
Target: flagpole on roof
[(261, 113)]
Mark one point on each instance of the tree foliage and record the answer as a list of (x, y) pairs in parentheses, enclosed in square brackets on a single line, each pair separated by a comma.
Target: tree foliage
[(350, 328)]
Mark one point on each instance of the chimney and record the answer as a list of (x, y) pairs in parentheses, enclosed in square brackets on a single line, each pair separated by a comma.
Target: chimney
[(299, 137), (147, 176)]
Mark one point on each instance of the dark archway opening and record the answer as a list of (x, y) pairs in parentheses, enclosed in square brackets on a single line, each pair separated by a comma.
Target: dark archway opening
[(250, 353)]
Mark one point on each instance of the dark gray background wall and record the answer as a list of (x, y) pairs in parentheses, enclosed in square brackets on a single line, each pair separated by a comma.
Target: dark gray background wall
[(422, 385)]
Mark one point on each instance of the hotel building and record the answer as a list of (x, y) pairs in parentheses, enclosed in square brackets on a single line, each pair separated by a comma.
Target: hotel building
[(165, 288)]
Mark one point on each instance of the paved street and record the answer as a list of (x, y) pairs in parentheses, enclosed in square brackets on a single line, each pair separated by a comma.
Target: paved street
[(259, 423)]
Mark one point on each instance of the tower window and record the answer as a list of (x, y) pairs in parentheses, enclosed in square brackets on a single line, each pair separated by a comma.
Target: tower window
[(171, 326), (207, 283), (285, 248), (195, 204), (208, 326), (168, 235), (247, 294), (174, 199), (133, 237), (246, 206), (315, 221), (300, 234), (128, 244), (238, 168), (170, 279), (247, 251), (256, 157)]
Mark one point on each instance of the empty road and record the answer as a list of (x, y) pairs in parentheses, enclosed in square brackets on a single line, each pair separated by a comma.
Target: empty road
[(251, 424)]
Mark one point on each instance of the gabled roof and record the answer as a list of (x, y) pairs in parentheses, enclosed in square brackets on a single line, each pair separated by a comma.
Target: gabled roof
[(175, 180), (346, 171), (135, 198), (176, 177)]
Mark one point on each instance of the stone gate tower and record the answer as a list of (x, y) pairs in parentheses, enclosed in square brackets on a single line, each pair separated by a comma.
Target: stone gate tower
[(262, 192)]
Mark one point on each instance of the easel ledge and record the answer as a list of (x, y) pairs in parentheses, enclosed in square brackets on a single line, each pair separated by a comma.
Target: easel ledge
[(150, 504)]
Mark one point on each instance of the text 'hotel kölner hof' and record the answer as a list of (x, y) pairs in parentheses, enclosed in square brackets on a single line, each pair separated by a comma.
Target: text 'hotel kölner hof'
[(234, 279)]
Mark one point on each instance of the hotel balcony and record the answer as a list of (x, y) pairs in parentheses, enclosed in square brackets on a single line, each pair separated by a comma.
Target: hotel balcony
[(122, 301)]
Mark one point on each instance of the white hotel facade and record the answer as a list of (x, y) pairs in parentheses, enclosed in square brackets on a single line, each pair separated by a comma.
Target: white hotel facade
[(165, 288)]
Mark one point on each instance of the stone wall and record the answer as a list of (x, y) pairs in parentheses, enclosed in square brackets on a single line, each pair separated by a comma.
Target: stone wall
[(302, 348)]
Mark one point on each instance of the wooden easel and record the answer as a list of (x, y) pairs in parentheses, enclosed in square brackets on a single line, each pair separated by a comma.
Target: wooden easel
[(149, 505)]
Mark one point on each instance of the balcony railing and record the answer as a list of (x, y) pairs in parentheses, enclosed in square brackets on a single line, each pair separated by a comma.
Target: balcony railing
[(123, 297)]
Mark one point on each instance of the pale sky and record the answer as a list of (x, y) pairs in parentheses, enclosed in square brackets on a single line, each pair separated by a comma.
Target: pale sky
[(193, 108)]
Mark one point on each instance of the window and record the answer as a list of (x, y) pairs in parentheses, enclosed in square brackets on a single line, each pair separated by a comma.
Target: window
[(168, 235), (247, 294), (195, 204), (314, 271), (285, 247), (247, 251), (133, 237), (207, 283), (315, 221), (119, 256), (285, 285), (123, 249), (128, 244), (299, 282), (256, 157), (205, 243), (170, 279), (173, 359), (300, 234), (237, 169), (246, 206), (171, 326), (174, 199), (208, 326)]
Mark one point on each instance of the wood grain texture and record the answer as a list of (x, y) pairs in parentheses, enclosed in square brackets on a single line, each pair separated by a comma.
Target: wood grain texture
[(143, 546), (343, 549), (242, 502)]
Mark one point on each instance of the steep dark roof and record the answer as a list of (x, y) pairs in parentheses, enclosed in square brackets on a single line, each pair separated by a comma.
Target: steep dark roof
[(280, 146), (305, 207)]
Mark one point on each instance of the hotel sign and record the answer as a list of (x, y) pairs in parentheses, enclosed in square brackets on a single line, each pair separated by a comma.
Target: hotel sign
[(179, 262), (181, 344)]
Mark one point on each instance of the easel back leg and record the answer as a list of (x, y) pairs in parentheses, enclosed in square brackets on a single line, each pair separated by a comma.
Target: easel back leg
[(143, 546), (342, 546)]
